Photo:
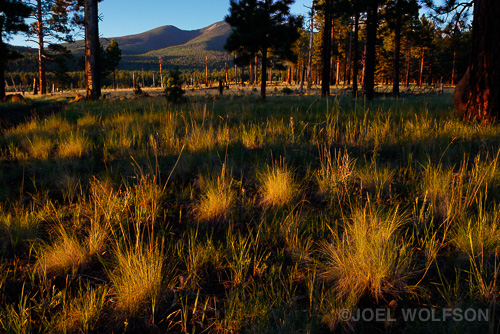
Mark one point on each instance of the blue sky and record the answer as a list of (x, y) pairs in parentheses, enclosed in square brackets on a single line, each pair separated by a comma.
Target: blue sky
[(127, 17)]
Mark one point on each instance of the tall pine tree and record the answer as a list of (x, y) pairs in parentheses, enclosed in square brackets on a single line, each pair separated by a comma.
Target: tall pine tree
[(51, 26), (12, 20), (261, 27)]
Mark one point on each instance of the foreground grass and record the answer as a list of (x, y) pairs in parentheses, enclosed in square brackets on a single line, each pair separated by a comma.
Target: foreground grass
[(232, 215)]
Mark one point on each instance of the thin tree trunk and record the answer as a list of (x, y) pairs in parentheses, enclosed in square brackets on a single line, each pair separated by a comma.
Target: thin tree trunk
[(256, 72), (302, 78), (311, 44), (41, 55), (206, 71), (408, 59), (397, 51), (371, 36), (264, 74), (251, 69), (421, 74), (453, 69), (356, 56), (325, 77), (332, 40), (349, 66), (2, 78), (337, 71), (161, 72), (92, 50)]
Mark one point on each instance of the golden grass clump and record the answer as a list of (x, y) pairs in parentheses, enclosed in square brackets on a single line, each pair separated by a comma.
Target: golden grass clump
[(73, 146), (369, 259), (217, 198), (278, 186), (65, 254), (137, 278), (40, 148)]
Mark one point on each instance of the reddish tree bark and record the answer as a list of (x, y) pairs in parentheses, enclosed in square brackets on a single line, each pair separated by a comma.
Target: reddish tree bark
[(92, 72), (479, 100)]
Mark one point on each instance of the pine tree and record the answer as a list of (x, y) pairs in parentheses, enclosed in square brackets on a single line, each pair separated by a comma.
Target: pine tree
[(173, 87), (110, 59), (262, 26), (12, 20), (52, 25), (396, 12)]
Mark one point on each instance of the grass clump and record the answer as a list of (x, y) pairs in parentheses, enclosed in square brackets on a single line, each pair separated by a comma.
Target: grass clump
[(65, 254), (137, 278), (74, 146), (335, 171), (217, 198), (83, 312), (369, 259), (40, 148), (479, 235), (278, 186), (16, 231)]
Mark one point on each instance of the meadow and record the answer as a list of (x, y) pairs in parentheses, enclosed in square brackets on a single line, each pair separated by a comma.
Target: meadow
[(226, 214)]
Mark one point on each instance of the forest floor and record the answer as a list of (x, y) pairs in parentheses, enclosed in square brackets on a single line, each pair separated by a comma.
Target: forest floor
[(226, 214)]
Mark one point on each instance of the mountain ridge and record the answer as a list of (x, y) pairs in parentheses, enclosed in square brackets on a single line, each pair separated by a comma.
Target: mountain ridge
[(213, 37)]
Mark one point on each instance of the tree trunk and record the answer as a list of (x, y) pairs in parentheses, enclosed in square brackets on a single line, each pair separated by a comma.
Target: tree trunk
[(311, 44), (397, 50), (421, 74), (206, 71), (3, 49), (356, 56), (349, 65), (453, 69), (327, 29), (337, 71), (408, 58), (302, 78), (480, 100), (161, 72), (371, 36), (256, 66), (92, 50), (2, 79), (264, 74), (41, 55)]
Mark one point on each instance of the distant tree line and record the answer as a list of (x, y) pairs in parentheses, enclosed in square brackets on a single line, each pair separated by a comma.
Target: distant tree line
[(360, 43)]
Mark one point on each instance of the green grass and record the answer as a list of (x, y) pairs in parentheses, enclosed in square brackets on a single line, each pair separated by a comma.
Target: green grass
[(226, 214)]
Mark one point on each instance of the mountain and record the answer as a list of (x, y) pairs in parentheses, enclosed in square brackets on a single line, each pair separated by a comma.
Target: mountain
[(185, 48), (208, 45)]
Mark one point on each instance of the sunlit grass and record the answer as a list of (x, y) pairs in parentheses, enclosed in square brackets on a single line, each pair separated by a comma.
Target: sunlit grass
[(278, 185), (227, 214), (138, 278), (217, 198), (369, 258)]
